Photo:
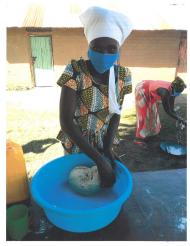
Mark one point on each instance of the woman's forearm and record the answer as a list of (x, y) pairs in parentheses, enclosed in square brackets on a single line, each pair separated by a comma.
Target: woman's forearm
[(168, 105), (111, 131), (171, 112), (177, 117)]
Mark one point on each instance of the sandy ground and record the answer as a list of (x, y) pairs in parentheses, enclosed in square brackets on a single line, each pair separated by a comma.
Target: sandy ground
[(39, 102)]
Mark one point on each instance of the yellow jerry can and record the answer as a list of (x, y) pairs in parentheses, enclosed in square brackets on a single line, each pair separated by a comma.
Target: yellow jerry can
[(16, 182)]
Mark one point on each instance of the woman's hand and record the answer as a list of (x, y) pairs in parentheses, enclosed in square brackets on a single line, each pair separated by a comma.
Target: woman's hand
[(112, 156), (181, 120), (106, 172)]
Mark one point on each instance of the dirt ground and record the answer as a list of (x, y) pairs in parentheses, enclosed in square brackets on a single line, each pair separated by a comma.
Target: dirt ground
[(153, 158), (34, 124)]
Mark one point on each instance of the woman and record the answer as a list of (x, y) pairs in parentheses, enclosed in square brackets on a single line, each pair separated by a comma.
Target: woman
[(147, 94), (93, 91)]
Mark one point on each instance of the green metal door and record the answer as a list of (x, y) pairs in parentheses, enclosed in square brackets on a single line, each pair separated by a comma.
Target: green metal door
[(42, 60)]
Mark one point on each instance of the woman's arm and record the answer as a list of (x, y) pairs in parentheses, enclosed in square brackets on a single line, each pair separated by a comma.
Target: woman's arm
[(168, 104), (109, 138), (111, 131), (67, 109)]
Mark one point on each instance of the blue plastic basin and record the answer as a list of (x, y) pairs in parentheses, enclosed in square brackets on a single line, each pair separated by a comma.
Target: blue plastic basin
[(173, 148), (70, 211)]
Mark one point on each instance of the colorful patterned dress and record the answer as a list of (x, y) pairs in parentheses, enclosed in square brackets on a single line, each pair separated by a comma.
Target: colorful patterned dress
[(92, 113), (146, 98)]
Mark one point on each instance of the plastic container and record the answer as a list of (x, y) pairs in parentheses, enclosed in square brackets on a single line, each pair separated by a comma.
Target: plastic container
[(173, 148), (17, 221), (71, 211), (16, 182)]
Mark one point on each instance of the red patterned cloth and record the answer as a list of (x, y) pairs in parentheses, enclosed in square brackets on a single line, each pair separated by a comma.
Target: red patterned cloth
[(146, 98)]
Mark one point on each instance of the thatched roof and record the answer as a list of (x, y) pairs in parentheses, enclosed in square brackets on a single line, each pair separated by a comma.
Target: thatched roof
[(145, 15)]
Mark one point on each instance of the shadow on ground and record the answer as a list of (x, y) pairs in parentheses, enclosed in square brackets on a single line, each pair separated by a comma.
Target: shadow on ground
[(38, 146)]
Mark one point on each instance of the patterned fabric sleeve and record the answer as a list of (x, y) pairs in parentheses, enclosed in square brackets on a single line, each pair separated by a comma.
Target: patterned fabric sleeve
[(127, 82), (67, 78)]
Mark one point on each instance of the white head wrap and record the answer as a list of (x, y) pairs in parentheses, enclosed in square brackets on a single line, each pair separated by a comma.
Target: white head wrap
[(99, 22)]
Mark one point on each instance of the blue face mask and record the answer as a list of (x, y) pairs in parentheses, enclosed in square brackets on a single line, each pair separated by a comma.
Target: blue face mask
[(175, 94), (100, 61)]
